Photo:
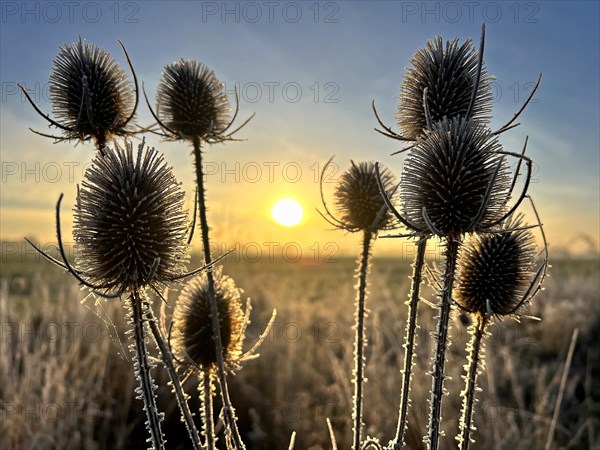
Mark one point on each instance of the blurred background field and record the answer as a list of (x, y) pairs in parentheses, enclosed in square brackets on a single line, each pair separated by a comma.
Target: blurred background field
[(66, 379)]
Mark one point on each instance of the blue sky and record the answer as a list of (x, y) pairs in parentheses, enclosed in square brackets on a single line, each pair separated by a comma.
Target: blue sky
[(317, 73)]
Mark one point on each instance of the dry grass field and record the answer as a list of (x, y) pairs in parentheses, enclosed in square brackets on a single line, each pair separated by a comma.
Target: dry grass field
[(67, 382)]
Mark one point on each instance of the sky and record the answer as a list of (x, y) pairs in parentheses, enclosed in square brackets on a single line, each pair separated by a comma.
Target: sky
[(309, 71)]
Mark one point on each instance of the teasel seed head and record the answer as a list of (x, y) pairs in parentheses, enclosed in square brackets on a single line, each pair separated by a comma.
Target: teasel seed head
[(358, 199), (90, 93), (130, 226), (448, 72), (495, 270), (456, 174), (192, 101), (192, 325)]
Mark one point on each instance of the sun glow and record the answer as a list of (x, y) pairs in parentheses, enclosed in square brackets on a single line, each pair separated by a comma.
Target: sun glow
[(287, 212)]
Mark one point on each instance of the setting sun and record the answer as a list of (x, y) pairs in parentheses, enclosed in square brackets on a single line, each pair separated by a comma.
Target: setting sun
[(287, 212)]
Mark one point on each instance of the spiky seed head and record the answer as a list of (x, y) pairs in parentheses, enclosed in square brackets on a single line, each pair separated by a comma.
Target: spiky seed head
[(358, 199), (90, 93), (192, 322), (449, 172), (192, 101), (448, 72), (495, 270), (130, 226)]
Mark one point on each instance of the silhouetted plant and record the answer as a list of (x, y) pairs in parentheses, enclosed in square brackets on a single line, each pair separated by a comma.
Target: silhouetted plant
[(91, 95), (361, 209), (130, 233), (192, 106), (497, 275), (455, 181), (193, 337), (130, 226), (450, 74)]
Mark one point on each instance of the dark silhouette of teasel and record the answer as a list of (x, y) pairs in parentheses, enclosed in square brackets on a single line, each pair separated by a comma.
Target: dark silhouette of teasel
[(91, 95), (191, 104)]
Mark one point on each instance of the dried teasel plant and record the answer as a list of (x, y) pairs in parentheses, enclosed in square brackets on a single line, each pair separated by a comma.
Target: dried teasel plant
[(130, 226), (497, 275), (454, 182), (453, 80), (449, 73), (445, 98), (91, 95), (192, 106), (362, 209), (446, 81), (192, 338), (131, 235)]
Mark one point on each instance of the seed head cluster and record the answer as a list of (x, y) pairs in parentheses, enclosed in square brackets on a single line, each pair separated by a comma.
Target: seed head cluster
[(90, 93), (359, 200), (449, 173), (495, 271), (192, 101), (449, 73), (192, 325), (130, 225)]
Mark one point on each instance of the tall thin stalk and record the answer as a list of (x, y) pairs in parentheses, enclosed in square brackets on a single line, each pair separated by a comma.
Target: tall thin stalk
[(409, 344), (228, 412), (180, 395), (439, 359), (359, 342), (475, 349), (205, 389), (142, 368)]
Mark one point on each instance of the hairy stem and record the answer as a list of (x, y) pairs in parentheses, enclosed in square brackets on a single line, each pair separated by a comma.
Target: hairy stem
[(439, 359), (359, 342), (205, 389), (180, 395), (142, 371), (228, 412), (409, 344), (475, 349)]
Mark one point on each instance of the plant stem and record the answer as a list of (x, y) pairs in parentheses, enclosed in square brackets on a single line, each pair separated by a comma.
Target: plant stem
[(142, 371), (439, 360), (228, 412), (475, 349), (409, 345), (359, 342), (205, 389), (180, 395)]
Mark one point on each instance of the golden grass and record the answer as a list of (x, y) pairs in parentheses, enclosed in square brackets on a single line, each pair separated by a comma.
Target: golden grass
[(66, 384)]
